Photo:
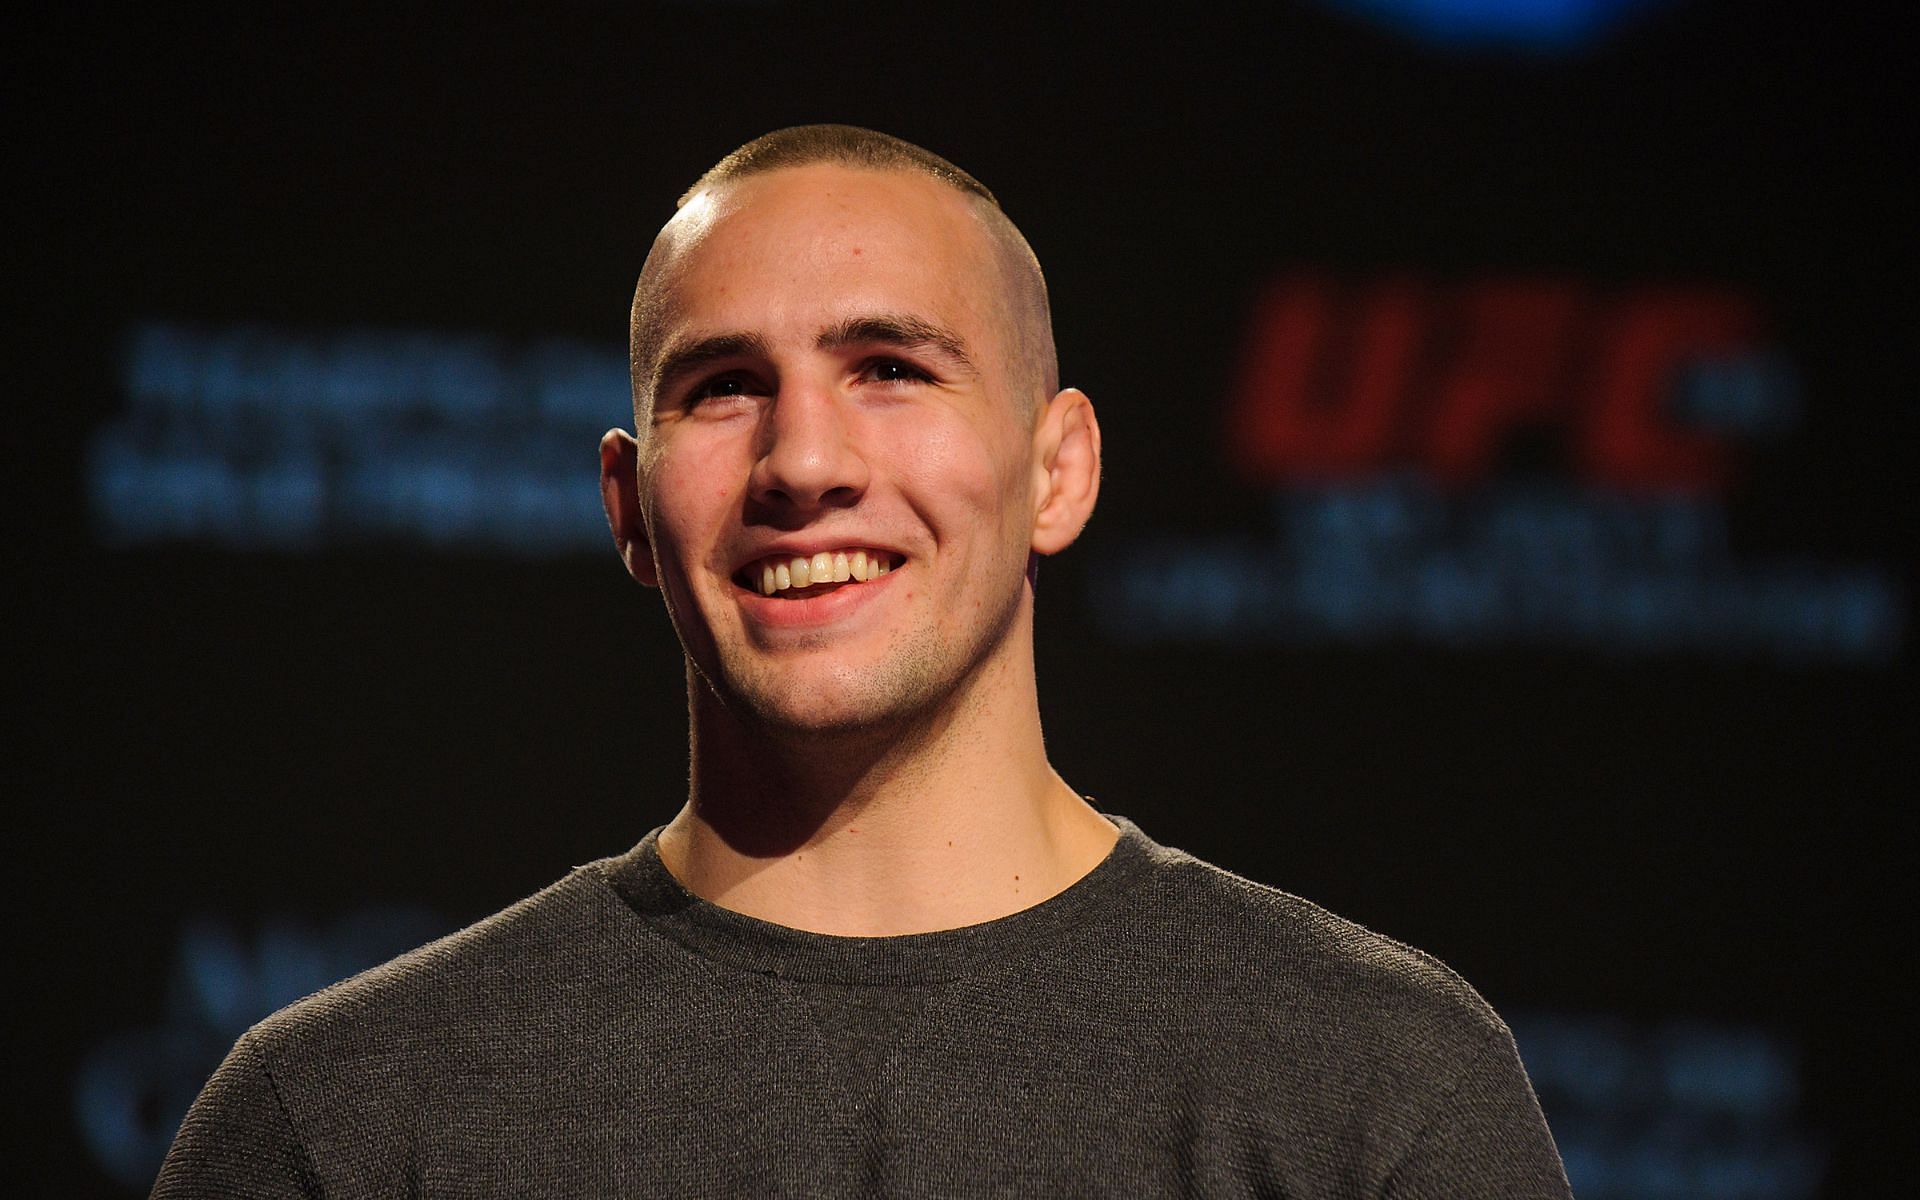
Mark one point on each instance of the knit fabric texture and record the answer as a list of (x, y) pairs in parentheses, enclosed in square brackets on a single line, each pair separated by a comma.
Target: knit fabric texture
[(1160, 1028)]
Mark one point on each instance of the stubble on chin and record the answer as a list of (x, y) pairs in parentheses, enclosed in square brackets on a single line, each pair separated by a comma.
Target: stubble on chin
[(806, 705)]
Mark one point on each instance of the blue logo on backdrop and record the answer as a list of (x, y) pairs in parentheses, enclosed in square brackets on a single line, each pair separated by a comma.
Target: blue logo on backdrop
[(261, 439), (1680, 1110), (134, 1088), (1526, 25), (1515, 563)]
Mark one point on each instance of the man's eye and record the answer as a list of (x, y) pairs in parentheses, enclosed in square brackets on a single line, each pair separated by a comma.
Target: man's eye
[(892, 370), (723, 387)]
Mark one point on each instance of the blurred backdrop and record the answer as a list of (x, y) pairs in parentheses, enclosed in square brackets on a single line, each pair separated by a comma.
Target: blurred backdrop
[(1504, 541)]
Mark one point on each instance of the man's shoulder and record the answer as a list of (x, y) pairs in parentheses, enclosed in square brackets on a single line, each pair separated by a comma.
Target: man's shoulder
[(1262, 951), (342, 1082), (484, 976)]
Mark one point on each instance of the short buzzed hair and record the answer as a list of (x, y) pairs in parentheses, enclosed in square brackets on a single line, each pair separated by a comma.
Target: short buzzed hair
[(1024, 307), (848, 145)]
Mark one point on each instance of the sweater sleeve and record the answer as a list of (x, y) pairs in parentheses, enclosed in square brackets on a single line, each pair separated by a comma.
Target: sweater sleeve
[(237, 1139), (1489, 1139)]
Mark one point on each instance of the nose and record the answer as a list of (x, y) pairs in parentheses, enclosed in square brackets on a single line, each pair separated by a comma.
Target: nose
[(808, 457)]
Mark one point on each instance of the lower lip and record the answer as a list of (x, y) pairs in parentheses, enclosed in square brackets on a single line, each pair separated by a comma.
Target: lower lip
[(823, 609)]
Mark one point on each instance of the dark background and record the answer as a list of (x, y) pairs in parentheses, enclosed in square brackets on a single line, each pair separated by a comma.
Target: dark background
[(1648, 837)]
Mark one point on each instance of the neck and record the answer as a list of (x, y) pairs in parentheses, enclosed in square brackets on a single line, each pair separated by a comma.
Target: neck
[(946, 818)]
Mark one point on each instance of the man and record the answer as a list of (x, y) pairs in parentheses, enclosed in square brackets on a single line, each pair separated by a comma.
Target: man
[(883, 948)]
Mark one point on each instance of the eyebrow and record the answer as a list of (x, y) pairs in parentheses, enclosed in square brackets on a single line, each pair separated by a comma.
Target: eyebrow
[(684, 358), (894, 330)]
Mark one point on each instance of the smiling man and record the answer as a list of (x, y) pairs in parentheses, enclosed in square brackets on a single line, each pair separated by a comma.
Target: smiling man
[(849, 447), (883, 948)]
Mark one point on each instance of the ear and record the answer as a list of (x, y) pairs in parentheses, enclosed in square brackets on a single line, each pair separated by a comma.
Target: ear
[(1066, 474), (620, 493)]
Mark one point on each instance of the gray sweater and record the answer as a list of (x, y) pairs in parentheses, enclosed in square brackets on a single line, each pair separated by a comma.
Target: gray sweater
[(1160, 1028)]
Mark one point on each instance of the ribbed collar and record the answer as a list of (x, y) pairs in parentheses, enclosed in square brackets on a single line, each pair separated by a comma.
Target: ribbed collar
[(749, 943)]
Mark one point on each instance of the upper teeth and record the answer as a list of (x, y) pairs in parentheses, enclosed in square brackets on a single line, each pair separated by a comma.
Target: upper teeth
[(828, 566)]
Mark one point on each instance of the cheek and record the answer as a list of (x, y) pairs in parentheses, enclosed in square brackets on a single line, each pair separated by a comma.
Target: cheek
[(683, 504), (965, 479), (949, 467), (690, 493)]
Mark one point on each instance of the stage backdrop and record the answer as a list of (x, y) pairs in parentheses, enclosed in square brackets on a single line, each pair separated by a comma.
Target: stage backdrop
[(1503, 540)]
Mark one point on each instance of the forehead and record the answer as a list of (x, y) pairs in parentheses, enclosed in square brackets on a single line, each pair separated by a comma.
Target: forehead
[(801, 247)]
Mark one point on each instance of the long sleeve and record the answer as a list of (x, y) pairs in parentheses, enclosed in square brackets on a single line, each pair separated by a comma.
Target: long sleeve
[(237, 1140), (1489, 1139)]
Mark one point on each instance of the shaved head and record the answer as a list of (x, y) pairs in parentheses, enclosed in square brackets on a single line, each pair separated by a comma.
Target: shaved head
[(1020, 300)]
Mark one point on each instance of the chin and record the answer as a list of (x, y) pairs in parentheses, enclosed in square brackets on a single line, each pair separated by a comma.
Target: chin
[(830, 705)]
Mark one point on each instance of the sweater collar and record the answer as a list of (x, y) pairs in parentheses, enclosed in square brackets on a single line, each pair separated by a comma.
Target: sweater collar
[(751, 944)]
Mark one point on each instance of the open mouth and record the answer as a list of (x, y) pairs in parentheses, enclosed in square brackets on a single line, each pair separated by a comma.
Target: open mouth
[(802, 576)]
